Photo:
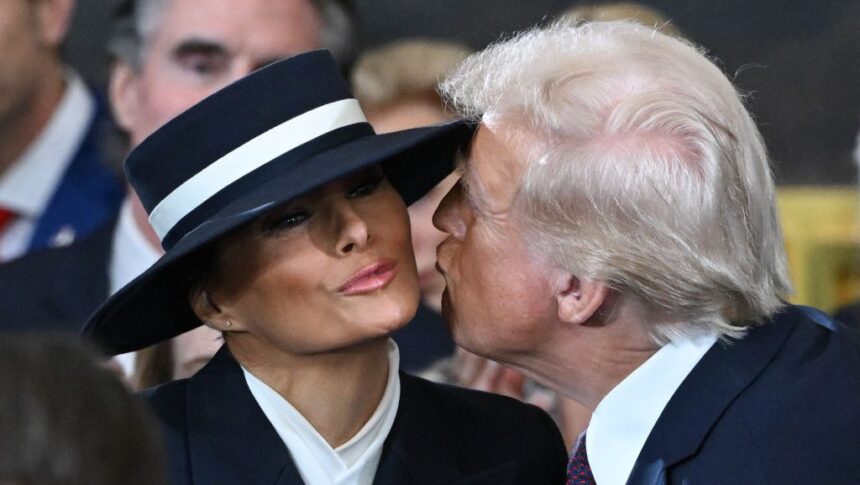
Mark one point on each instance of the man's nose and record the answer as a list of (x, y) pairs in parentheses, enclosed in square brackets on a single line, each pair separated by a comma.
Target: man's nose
[(448, 216)]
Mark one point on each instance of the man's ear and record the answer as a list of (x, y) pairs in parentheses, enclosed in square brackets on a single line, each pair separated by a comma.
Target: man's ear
[(210, 313), (580, 300), (123, 93), (53, 18)]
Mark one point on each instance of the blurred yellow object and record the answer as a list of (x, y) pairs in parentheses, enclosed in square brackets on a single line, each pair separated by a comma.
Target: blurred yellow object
[(822, 239)]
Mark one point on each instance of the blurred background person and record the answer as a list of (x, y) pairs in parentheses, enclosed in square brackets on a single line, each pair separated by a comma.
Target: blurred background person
[(55, 181), (167, 57), (630, 11), (850, 314), (65, 420)]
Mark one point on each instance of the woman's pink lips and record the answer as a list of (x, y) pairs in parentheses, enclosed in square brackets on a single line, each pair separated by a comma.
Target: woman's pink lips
[(369, 279)]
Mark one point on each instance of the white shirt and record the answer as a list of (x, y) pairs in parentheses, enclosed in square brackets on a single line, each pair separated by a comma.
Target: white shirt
[(131, 255), (27, 187), (623, 419), (352, 463)]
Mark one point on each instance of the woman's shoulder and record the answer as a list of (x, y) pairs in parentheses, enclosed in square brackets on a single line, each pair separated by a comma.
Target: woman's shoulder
[(482, 428), (168, 399), (471, 408)]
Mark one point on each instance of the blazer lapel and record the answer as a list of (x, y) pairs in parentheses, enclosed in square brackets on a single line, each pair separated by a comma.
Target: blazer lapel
[(716, 381), (229, 438), (416, 450)]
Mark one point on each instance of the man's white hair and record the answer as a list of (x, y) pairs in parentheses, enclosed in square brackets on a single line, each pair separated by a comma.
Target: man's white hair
[(648, 173)]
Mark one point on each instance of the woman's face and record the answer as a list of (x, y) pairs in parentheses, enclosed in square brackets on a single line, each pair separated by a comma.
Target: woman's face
[(331, 269)]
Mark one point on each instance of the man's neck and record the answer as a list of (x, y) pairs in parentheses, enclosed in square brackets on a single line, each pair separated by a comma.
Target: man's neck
[(337, 392), (22, 128), (584, 363)]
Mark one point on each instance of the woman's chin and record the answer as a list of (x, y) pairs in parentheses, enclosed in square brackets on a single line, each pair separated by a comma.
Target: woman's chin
[(391, 318)]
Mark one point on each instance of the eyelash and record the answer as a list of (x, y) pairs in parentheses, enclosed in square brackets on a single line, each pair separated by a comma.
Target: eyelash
[(364, 187)]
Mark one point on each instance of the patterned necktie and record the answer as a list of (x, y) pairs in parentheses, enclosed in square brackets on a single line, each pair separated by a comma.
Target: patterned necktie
[(6, 217), (578, 471)]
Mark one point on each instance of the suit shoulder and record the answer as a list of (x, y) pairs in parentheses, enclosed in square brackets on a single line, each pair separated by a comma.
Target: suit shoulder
[(489, 428), (168, 400), (485, 414), (55, 288)]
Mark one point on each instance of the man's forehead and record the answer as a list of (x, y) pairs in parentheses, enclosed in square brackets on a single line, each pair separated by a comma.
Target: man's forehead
[(293, 26)]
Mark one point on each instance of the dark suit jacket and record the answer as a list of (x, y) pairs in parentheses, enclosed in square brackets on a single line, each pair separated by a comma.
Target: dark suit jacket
[(780, 406), (88, 193), (57, 288), (216, 433), (849, 315)]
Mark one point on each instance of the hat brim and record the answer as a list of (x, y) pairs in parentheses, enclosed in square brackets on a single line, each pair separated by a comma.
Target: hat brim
[(154, 306)]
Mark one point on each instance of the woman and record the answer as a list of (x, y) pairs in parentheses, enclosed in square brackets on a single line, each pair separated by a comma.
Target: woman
[(283, 228)]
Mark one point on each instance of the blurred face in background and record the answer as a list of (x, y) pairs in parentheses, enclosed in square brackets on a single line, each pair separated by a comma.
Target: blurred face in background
[(200, 46), (406, 113), (31, 77)]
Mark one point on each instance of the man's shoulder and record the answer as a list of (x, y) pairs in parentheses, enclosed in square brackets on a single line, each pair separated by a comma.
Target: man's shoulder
[(56, 285), (795, 418)]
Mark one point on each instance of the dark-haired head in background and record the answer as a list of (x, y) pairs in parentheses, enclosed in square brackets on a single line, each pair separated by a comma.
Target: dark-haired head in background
[(66, 420)]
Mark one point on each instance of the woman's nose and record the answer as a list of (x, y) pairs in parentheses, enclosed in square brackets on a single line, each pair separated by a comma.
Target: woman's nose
[(351, 229), (448, 217)]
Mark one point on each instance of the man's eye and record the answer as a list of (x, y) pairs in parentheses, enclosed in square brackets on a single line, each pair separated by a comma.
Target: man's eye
[(202, 64)]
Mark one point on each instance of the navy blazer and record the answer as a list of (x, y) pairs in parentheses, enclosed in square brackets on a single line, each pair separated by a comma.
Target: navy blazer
[(780, 406), (56, 288), (216, 433)]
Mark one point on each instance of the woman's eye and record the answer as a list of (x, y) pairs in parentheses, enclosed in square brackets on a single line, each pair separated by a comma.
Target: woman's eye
[(366, 187), (289, 220)]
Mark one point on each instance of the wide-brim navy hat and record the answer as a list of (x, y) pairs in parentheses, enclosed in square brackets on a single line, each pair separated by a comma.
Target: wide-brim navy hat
[(266, 139)]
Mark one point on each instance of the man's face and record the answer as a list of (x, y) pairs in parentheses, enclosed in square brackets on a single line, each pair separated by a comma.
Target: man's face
[(498, 298), (200, 46)]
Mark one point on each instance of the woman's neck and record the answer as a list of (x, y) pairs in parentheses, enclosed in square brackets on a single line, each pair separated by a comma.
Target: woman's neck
[(337, 392)]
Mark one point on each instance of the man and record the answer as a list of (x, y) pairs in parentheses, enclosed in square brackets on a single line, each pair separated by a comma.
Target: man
[(614, 234), (55, 185), (167, 57)]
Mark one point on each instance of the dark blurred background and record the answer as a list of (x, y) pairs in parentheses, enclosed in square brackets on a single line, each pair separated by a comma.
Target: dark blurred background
[(799, 60)]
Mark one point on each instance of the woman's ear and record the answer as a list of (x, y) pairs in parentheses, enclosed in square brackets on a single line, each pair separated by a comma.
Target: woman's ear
[(212, 315), (580, 300)]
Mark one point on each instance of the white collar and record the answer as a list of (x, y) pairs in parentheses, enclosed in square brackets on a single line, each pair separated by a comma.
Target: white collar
[(623, 419), (354, 462), (30, 182), (131, 255), (131, 251)]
